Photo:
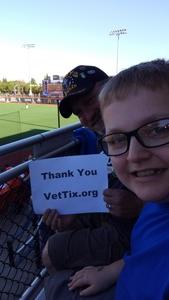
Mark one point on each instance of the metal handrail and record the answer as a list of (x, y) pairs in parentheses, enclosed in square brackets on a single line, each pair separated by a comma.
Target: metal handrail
[(17, 170), (32, 141), (39, 138)]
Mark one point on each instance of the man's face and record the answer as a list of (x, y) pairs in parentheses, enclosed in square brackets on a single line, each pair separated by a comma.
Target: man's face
[(87, 109), (145, 171)]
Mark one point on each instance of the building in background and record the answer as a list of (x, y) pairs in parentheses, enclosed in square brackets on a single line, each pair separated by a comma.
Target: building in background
[(52, 90)]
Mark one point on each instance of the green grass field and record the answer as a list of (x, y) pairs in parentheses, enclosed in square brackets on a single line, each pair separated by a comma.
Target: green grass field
[(16, 119)]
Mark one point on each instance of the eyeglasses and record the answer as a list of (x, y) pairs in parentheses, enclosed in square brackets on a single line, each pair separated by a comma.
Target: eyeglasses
[(150, 135)]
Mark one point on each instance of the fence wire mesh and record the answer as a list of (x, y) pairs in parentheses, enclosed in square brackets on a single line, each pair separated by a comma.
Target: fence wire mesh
[(20, 254)]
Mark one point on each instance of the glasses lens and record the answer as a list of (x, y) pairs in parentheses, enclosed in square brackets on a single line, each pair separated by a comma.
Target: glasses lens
[(114, 144), (155, 133)]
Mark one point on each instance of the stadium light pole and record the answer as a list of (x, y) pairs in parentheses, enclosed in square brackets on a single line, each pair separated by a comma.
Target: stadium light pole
[(117, 33), (28, 47)]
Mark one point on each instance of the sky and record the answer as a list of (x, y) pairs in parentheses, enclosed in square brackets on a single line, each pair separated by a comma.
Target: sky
[(68, 33)]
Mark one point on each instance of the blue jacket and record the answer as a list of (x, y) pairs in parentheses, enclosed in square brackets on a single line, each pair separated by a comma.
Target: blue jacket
[(146, 272)]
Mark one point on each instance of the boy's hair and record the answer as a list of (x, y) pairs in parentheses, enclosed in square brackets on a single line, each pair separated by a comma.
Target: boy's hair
[(152, 75)]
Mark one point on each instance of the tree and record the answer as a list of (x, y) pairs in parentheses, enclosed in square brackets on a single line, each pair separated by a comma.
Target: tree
[(36, 89), (19, 87), (33, 81)]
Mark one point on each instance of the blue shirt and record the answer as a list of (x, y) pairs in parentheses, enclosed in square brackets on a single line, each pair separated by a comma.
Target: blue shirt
[(146, 272)]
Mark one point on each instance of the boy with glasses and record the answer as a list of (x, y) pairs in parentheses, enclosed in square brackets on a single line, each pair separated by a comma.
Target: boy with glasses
[(135, 110)]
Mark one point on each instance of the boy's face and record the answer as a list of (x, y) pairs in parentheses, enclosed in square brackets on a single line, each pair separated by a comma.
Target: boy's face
[(88, 111), (145, 171)]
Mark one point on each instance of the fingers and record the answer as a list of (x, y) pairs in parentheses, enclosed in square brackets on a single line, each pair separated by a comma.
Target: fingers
[(114, 201), (108, 192), (119, 197), (115, 210), (50, 218), (81, 283), (85, 279), (45, 215), (117, 201), (116, 196), (48, 213), (78, 280), (122, 203), (54, 221)]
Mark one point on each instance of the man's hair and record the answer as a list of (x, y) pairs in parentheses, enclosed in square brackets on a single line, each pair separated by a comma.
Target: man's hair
[(152, 75)]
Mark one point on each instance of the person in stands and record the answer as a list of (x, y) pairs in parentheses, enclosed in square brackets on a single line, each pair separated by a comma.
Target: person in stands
[(139, 150), (89, 239)]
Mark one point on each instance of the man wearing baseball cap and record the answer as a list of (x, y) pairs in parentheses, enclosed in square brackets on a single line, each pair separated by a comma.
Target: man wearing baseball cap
[(80, 88), (89, 239)]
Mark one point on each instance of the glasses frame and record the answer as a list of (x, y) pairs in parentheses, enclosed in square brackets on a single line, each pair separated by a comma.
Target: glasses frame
[(130, 134)]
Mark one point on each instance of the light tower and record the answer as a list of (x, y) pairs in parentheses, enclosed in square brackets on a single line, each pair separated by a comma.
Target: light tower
[(117, 32), (28, 47)]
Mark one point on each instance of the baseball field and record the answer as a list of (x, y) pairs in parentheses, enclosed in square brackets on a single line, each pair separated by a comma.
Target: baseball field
[(19, 119)]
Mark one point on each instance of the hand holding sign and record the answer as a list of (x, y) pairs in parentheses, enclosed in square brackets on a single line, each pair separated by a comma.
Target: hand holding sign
[(57, 222), (70, 184)]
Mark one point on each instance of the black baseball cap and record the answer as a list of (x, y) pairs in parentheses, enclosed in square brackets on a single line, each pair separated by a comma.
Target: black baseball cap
[(78, 82)]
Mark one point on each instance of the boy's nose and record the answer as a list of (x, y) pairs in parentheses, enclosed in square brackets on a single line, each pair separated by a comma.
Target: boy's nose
[(137, 152)]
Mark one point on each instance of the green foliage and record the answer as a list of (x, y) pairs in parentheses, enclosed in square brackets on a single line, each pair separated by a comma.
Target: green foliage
[(26, 88), (33, 81), (18, 87), (36, 89)]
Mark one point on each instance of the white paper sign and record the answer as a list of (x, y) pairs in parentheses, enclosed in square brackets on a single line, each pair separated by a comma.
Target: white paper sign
[(70, 184)]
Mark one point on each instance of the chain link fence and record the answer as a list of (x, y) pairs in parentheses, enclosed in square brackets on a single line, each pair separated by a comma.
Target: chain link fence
[(20, 243)]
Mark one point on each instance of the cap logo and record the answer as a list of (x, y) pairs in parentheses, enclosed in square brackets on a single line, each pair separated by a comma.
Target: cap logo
[(91, 72), (69, 84), (70, 81), (74, 79)]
